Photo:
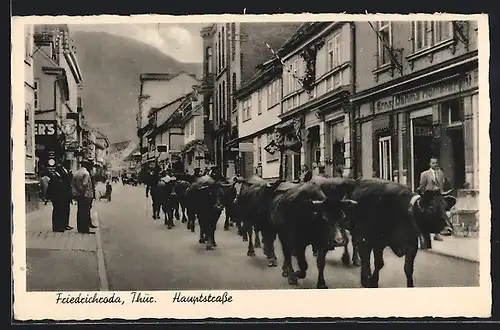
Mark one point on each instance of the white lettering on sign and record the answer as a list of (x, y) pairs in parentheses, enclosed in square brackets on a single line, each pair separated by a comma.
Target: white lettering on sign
[(449, 87), (45, 129)]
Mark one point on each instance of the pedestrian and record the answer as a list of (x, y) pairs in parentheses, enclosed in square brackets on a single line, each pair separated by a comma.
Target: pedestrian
[(322, 171), (431, 183), (59, 192), (84, 194), (197, 172), (44, 185), (339, 171), (306, 173), (152, 189), (109, 190)]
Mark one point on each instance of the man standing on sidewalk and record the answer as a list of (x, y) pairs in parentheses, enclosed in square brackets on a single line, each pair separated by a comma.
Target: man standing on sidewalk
[(432, 182), (60, 194), (84, 194)]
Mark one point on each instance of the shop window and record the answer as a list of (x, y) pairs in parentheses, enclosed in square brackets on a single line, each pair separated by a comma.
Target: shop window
[(337, 145), (385, 157), (453, 112), (384, 41)]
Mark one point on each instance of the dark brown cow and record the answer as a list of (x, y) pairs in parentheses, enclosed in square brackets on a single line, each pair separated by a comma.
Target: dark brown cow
[(302, 215), (389, 214)]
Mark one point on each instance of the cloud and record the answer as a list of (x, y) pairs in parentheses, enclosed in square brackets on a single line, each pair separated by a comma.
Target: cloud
[(180, 41)]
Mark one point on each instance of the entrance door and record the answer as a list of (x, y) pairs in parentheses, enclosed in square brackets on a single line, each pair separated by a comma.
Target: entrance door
[(421, 143)]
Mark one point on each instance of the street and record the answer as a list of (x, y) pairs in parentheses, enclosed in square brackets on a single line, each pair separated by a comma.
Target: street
[(142, 254)]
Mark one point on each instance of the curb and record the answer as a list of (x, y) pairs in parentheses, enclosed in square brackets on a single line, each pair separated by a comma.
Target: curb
[(101, 268), (451, 256)]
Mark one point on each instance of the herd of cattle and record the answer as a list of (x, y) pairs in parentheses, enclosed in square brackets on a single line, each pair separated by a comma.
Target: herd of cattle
[(376, 213)]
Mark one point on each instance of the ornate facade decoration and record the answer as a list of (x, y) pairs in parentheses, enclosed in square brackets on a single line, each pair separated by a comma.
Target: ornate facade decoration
[(309, 55)]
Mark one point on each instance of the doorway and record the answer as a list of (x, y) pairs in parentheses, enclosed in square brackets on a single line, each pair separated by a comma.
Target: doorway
[(421, 125), (456, 136)]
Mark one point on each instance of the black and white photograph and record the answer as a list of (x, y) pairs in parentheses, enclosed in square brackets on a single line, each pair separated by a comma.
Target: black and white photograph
[(230, 166)]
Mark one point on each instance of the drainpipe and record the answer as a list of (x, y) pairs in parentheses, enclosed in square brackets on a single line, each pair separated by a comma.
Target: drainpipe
[(282, 170), (353, 135)]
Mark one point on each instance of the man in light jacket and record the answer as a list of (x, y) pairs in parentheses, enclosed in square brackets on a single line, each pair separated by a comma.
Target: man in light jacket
[(83, 192)]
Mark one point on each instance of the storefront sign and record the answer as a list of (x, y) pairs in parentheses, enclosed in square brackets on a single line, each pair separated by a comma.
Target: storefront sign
[(428, 93), (46, 134), (384, 104)]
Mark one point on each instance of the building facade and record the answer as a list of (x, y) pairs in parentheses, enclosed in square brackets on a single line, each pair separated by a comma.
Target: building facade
[(259, 107), (417, 98), (195, 151), (58, 104), (318, 80), (232, 51), (30, 163), (157, 91)]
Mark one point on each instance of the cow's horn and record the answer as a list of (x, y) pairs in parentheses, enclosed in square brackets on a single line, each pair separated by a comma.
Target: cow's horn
[(317, 202), (349, 201)]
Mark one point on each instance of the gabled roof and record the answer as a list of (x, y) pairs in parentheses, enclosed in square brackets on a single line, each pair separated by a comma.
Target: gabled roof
[(119, 146), (164, 76)]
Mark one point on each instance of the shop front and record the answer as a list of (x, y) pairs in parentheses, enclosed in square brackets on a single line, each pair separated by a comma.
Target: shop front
[(398, 133)]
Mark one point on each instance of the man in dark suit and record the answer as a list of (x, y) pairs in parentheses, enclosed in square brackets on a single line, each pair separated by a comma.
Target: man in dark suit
[(60, 194)]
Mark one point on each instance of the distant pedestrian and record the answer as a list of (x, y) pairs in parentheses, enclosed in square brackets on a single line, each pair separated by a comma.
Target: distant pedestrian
[(306, 174), (339, 171), (84, 194), (44, 186), (60, 194), (322, 171), (109, 190)]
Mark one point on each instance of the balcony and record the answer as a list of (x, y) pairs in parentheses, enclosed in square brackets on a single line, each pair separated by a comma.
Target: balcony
[(207, 85)]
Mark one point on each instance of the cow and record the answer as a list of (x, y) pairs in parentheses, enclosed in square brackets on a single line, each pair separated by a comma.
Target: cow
[(389, 214), (180, 201), (204, 199), (339, 189), (168, 198), (302, 215), (253, 215)]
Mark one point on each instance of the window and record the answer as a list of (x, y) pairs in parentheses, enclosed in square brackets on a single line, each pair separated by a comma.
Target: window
[(27, 44), (233, 81), (273, 93), (385, 157), (36, 94), (259, 150), (223, 49), (295, 70), (384, 41), (28, 130), (453, 112), (219, 55), (259, 102), (333, 52), (429, 33), (223, 109), (246, 114), (233, 41), (209, 60)]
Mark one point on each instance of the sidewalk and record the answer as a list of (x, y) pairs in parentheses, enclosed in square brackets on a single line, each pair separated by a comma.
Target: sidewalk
[(464, 248), (67, 261)]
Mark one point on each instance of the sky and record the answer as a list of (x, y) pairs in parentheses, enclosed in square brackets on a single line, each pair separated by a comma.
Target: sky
[(181, 41)]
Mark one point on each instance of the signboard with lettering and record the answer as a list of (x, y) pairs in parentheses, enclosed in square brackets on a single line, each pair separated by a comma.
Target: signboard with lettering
[(427, 93), (448, 87), (45, 134)]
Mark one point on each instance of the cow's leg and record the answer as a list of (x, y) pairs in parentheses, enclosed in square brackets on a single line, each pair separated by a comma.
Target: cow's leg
[(378, 263), (346, 258), (365, 251), (320, 263), (210, 233), (226, 223), (251, 250), (170, 218), (300, 250), (268, 238), (287, 268), (411, 253), (257, 238), (356, 260), (203, 230), (176, 210), (183, 210)]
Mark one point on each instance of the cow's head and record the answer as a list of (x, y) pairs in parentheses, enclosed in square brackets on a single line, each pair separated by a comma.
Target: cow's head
[(430, 213)]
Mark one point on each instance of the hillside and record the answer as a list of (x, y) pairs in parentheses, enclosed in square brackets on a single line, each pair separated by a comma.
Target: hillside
[(111, 66)]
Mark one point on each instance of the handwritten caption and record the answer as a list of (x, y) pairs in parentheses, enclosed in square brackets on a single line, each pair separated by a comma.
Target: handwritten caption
[(139, 298)]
